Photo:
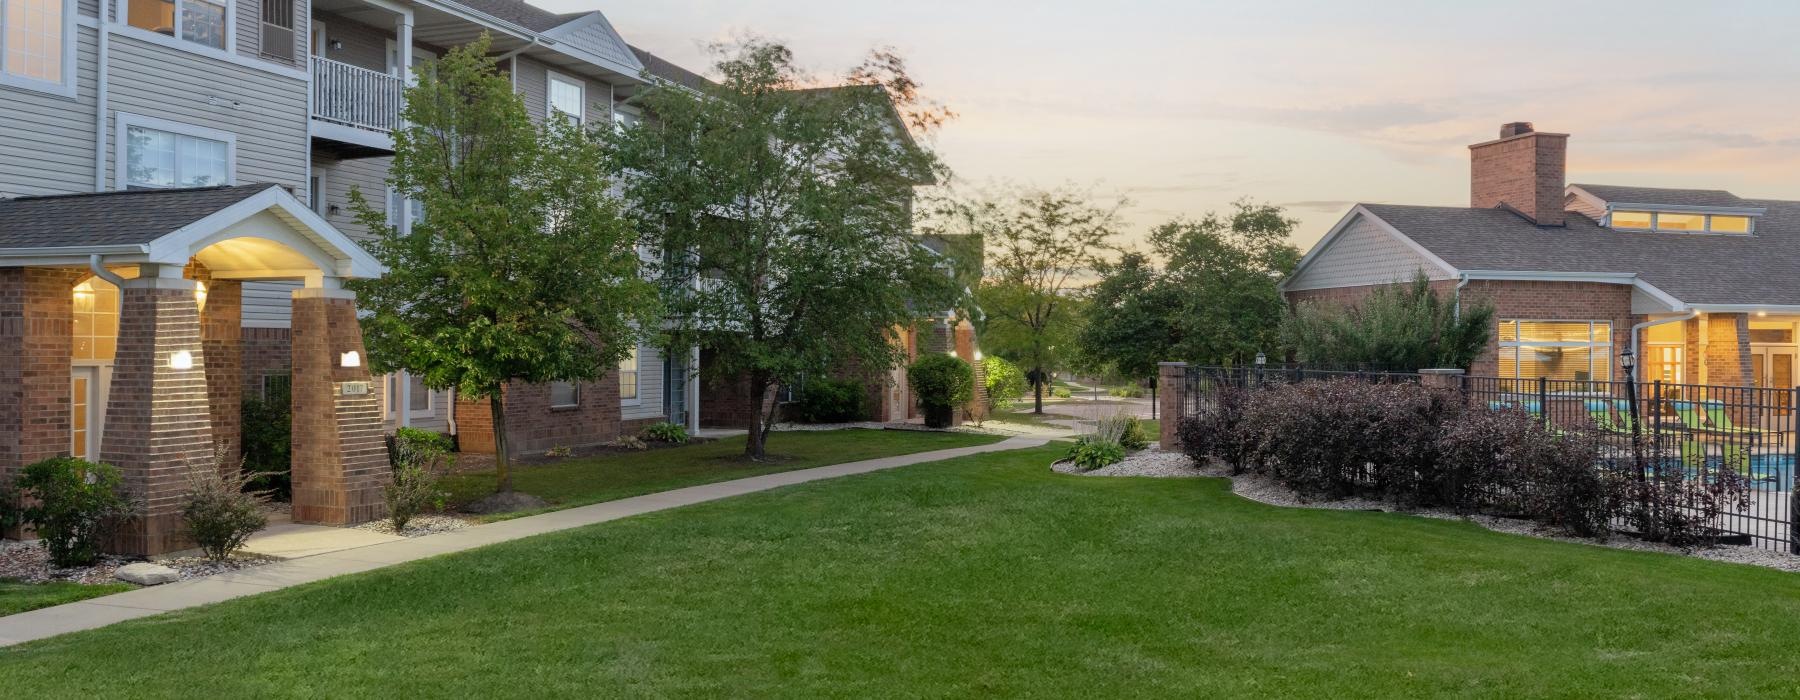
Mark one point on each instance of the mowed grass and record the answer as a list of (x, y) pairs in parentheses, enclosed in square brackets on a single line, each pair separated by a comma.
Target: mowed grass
[(576, 482), (18, 597), (975, 577)]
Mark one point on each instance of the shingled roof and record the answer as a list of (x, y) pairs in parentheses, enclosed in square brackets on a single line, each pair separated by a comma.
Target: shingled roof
[(1665, 196), (1696, 268), (661, 68), (131, 217)]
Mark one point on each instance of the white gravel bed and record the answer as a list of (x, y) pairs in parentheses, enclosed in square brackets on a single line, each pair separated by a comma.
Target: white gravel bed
[(30, 562), (419, 525), (1262, 489)]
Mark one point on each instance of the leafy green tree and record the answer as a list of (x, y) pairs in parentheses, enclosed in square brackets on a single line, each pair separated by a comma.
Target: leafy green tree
[(1040, 246), (522, 268), (1132, 321), (1223, 272), (785, 215), (1398, 326), (1004, 382)]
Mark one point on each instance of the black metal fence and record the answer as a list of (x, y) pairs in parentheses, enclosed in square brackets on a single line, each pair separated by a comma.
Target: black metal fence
[(1700, 429)]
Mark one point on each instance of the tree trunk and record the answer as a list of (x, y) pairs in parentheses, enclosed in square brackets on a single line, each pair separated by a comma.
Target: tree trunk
[(502, 463), (756, 436), (1037, 391)]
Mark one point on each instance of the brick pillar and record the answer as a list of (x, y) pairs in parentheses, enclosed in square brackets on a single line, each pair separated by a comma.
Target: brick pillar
[(1446, 379), (158, 424), (1171, 377), (36, 308), (340, 461), (222, 335), (965, 349), (1728, 350)]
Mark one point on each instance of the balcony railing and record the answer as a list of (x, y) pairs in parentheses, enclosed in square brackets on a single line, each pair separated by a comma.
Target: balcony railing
[(355, 96)]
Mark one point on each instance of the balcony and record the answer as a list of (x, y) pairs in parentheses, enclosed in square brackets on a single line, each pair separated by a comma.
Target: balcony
[(354, 109)]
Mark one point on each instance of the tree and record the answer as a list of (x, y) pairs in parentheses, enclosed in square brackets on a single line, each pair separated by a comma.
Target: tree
[(1398, 326), (522, 268), (1040, 244), (793, 208), (1132, 319), (1224, 273)]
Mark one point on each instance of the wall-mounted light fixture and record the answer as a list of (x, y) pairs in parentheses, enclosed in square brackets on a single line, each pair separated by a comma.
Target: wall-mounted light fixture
[(336, 44), (182, 359), (350, 358), (200, 295)]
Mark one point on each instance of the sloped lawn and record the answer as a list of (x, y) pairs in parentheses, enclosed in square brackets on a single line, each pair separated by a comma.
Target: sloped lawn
[(980, 576), (18, 596)]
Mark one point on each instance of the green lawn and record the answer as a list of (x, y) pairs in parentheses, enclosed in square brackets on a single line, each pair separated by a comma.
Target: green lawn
[(17, 597), (980, 576), (578, 482)]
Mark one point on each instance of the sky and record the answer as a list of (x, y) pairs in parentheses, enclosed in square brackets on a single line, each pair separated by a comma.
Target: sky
[(1184, 107)]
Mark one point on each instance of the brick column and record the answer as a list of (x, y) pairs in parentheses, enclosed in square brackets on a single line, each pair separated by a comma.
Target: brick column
[(1171, 378), (1728, 350), (340, 461), (1447, 379), (965, 349), (158, 424), (36, 308), (222, 335)]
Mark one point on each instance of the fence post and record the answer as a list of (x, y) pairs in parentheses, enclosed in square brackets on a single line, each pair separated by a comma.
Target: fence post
[(1544, 400), (1172, 377), (1793, 446)]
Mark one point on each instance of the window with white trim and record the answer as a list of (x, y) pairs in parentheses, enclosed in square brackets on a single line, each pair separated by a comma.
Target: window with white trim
[(33, 36), (628, 376), (565, 394), (198, 21), (1558, 350), (1679, 222), (163, 155), (567, 96)]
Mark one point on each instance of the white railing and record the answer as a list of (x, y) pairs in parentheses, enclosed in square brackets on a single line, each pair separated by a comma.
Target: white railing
[(355, 96)]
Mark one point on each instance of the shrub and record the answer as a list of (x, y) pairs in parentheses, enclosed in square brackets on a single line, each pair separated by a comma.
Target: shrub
[(1005, 383), (627, 442), (1332, 438), (665, 431), (221, 511), (75, 505), (1089, 453), (559, 451), (1672, 505), (825, 400), (1218, 430), (267, 431), (1400, 325), (1060, 392), (1506, 461), (941, 383), (1134, 437), (1129, 391), (418, 458)]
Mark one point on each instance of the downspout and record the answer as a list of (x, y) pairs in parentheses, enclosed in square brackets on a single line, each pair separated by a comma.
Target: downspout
[(104, 28), (1638, 329), (1456, 297), (101, 272)]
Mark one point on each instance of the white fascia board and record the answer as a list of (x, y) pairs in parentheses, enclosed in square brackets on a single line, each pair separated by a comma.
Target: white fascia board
[(1343, 224), (1747, 308), (347, 259), (478, 17)]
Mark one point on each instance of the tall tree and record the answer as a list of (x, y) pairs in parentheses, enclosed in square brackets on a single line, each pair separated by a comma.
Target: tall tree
[(1041, 245), (1131, 322), (793, 208), (1397, 326), (1225, 271), (522, 267)]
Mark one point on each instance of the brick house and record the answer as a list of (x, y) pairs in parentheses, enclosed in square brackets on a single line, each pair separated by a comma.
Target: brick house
[(1703, 286)]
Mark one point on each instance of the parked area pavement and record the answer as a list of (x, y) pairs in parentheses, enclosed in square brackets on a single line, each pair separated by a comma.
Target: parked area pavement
[(325, 555)]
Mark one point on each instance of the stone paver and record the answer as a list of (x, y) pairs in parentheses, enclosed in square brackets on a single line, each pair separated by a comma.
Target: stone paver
[(143, 602)]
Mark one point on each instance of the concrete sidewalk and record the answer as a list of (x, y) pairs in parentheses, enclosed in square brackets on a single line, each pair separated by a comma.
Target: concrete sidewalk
[(144, 602)]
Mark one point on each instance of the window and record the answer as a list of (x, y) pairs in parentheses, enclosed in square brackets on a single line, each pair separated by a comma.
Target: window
[(1558, 350), (414, 207), (1783, 335), (421, 396), (33, 36), (564, 395), (1664, 357), (1673, 221), (624, 120), (567, 96), (160, 154), (628, 376), (197, 21), (315, 192), (96, 335)]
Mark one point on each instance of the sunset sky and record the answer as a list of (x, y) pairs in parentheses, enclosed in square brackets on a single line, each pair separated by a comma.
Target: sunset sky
[(1185, 106)]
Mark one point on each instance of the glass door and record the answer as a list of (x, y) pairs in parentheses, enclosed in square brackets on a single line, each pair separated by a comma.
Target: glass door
[(1773, 368), (84, 424)]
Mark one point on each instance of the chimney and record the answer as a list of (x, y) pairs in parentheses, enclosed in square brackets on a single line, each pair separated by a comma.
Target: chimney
[(1523, 171)]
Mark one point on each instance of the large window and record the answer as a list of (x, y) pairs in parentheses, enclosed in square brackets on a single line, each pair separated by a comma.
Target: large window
[(1558, 350), (96, 317), (567, 96), (1673, 221), (158, 154), (628, 377), (33, 35), (197, 21)]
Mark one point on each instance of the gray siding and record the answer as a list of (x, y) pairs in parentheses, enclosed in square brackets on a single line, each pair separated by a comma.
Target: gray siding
[(597, 39), (1362, 254), (88, 8), (533, 83), (47, 141), (650, 387), (369, 175), (268, 304), (267, 112), (364, 46)]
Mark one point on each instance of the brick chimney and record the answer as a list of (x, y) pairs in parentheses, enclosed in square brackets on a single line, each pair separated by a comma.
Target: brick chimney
[(1523, 170)]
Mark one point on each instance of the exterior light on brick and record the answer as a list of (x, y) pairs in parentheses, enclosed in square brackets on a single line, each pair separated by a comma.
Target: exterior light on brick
[(350, 359), (181, 359)]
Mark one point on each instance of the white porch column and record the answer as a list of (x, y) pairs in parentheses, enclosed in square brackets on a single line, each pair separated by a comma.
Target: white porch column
[(693, 391)]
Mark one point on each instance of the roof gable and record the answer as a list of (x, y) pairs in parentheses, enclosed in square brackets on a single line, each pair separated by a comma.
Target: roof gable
[(594, 34), (1364, 250)]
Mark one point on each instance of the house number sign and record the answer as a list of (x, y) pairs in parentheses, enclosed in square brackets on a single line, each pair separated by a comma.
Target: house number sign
[(356, 388)]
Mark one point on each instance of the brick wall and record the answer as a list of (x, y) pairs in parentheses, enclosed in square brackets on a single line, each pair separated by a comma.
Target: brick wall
[(533, 426), (36, 311), (340, 458), (1727, 354), (265, 352), (221, 336), (1524, 171)]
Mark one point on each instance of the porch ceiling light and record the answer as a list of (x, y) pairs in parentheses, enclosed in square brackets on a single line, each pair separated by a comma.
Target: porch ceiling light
[(350, 358), (182, 359), (200, 295)]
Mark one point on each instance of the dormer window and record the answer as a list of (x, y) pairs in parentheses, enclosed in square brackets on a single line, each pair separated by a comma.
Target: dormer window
[(1679, 222)]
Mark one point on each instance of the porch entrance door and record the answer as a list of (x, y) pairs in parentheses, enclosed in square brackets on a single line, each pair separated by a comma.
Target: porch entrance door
[(84, 418), (1773, 368)]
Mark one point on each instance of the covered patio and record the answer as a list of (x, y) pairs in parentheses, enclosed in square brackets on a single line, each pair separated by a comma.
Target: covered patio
[(121, 342)]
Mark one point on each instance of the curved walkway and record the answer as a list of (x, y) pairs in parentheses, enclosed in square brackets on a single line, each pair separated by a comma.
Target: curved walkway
[(144, 602)]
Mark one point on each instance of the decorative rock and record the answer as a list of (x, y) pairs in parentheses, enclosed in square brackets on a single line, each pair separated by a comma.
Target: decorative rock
[(144, 573)]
